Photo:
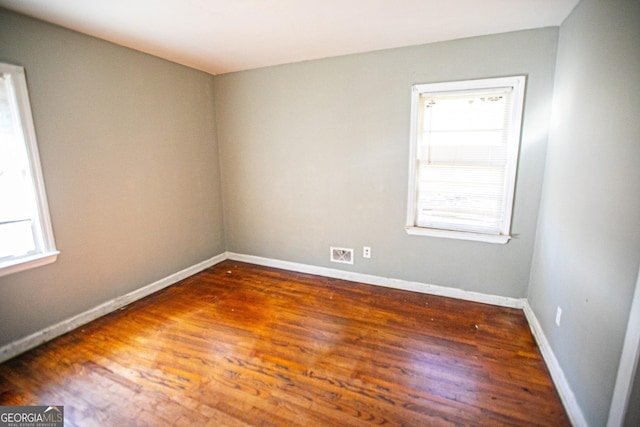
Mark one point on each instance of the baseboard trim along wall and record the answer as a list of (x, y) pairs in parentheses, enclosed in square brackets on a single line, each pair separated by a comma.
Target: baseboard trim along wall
[(31, 341), (557, 374), (381, 281)]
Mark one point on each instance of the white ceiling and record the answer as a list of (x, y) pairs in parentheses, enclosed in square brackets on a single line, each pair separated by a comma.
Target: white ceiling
[(221, 36)]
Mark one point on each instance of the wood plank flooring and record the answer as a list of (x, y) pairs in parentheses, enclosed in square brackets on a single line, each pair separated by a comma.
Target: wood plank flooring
[(242, 345)]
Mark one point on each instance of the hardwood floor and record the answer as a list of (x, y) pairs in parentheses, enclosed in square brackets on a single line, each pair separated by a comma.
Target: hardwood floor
[(240, 345)]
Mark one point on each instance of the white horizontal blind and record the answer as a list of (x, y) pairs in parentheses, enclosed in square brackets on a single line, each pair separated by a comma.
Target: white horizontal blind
[(463, 154)]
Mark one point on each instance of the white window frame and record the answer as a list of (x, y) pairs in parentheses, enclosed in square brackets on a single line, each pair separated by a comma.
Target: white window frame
[(45, 251), (467, 86)]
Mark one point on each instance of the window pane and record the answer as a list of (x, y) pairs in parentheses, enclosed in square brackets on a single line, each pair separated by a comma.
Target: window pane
[(464, 154), (463, 157), (16, 238), (461, 195), (465, 112), (17, 199), (461, 153)]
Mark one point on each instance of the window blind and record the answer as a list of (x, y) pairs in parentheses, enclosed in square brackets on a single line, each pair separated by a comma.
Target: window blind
[(463, 150)]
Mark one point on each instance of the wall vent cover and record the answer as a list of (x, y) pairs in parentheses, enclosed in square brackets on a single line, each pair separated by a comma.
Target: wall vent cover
[(342, 255)]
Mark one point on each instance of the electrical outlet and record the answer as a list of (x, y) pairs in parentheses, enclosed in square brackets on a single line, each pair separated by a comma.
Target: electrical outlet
[(558, 315), (366, 252)]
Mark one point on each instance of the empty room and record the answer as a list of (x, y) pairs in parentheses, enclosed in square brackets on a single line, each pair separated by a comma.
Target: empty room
[(333, 213)]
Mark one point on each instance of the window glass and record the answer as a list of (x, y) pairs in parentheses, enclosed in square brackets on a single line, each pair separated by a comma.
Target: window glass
[(465, 139), (26, 238)]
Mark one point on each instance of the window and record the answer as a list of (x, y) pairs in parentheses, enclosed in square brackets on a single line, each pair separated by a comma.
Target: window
[(465, 138), (26, 238)]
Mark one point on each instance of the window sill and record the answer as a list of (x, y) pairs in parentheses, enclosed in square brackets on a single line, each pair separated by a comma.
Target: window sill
[(26, 263), (460, 235)]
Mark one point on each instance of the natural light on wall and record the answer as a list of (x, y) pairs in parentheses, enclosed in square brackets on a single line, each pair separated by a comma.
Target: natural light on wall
[(464, 151), (26, 237)]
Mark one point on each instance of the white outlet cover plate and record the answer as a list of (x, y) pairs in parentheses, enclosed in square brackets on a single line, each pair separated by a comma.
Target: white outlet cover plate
[(558, 316)]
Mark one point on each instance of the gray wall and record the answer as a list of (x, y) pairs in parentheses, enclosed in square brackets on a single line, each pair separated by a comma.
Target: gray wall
[(130, 164), (588, 244), (315, 154)]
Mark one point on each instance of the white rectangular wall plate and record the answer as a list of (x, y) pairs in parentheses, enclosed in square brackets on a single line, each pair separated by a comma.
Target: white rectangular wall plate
[(366, 252), (558, 315)]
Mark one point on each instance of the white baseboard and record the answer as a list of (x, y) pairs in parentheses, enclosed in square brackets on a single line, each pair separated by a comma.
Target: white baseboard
[(557, 374), (20, 346), (381, 281), (629, 363)]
